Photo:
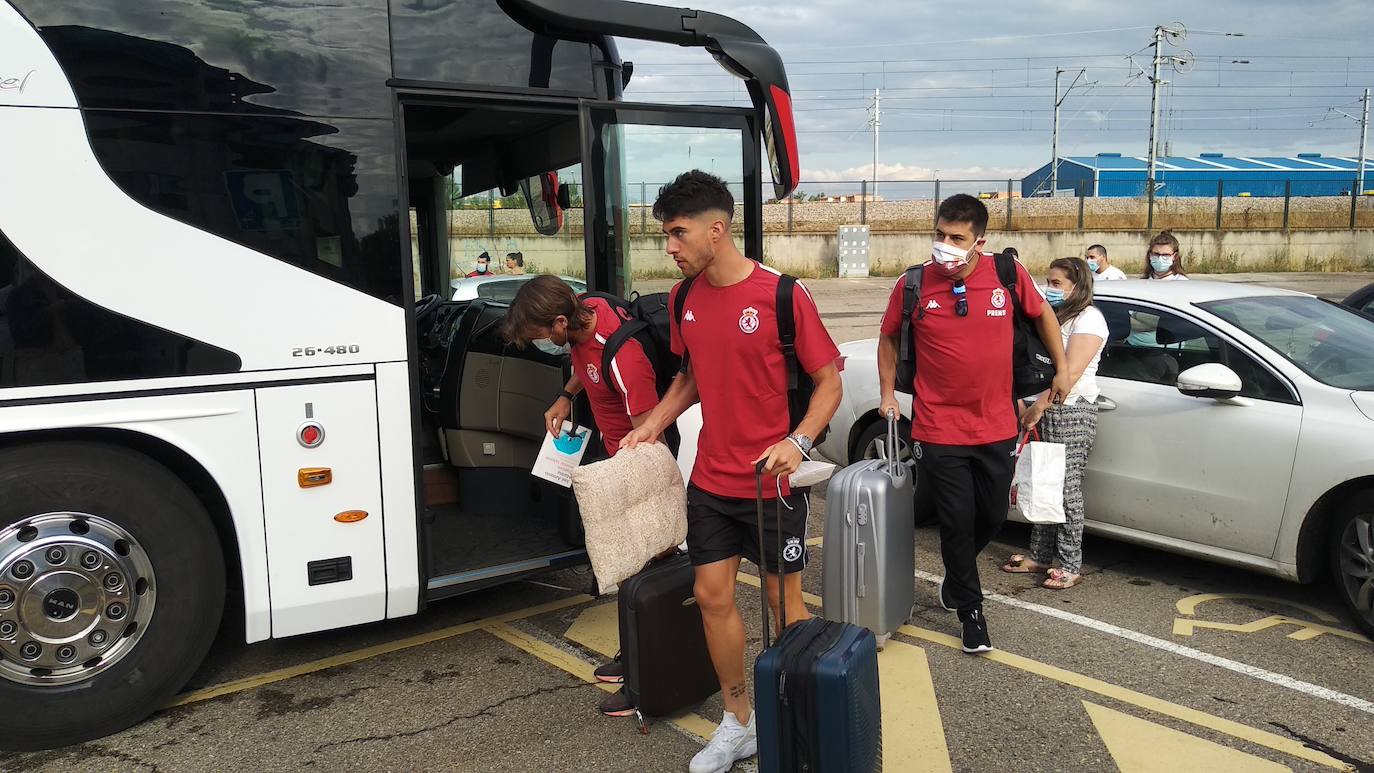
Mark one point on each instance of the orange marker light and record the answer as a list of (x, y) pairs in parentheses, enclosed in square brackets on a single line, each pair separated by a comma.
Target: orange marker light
[(351, 516), (310, 477)]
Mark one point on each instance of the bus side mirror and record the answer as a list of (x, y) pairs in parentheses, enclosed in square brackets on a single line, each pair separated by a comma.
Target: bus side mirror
[(544, 196)]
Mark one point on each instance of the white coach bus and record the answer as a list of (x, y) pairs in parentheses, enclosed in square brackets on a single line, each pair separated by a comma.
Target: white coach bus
[(232, 377)]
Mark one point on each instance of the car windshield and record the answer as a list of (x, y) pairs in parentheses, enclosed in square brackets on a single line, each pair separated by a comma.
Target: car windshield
[(1328, 342)]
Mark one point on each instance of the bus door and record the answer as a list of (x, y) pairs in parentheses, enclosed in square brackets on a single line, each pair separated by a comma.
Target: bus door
[(629, 152)]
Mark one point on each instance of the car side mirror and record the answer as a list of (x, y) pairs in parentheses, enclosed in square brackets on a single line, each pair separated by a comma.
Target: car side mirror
[(1211, 380)]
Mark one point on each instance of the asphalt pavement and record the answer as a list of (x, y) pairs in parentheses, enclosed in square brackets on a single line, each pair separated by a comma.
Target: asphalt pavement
[(1155, 662)]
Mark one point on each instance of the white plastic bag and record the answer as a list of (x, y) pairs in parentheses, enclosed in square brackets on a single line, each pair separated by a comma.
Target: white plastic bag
[(1037, 489)]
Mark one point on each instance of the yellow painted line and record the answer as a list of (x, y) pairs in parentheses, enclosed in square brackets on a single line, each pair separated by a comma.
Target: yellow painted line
[(688, 722), (1140, 746), (816, 541), (259, 680), (1307, 630), (1189, 605), (1140, 700), (597, 628), (915, 737)]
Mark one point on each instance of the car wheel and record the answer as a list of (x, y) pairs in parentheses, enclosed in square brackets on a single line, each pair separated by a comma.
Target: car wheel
[(872, 442), (1352, 558), (111, 590)]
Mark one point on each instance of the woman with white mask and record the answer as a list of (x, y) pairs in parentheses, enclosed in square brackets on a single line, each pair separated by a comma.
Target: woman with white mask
[(1162, 260)]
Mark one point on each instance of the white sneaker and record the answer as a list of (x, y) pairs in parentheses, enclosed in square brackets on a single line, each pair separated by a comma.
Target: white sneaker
[(730, 743)]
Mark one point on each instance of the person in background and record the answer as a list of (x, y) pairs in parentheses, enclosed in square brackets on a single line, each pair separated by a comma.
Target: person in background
[(515, 263), (1163, 260), (483, 267), (547, 313), (1101, 266), (963, 416), (1069, 290)]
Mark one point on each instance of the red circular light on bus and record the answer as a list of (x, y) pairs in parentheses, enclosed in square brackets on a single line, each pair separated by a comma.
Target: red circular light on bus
[(310, 434)]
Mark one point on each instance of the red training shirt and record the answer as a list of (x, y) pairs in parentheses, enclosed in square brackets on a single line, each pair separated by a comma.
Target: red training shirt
[(635, 390), (736, 356), (963, 364)]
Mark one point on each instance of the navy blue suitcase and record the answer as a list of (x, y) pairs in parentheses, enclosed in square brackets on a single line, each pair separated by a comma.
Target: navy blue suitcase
[(816, 702)]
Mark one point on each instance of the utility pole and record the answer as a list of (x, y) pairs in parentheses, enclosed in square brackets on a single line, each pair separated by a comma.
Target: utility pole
[(1154, 108), (877, 123), (1054, 141), (1364, 132)]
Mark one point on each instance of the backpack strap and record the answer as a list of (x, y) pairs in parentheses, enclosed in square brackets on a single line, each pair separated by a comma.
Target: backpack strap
[(679, 308), (1007, 275), (787, 328), (911, 302), (628, 329)]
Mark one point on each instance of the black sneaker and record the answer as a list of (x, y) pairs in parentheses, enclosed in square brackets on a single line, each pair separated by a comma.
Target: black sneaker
[(940, 593), (617, 704), (611, 673), (975, 632)]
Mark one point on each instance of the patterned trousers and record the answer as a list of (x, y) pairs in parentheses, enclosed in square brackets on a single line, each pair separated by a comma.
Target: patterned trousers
[(1076, 427)]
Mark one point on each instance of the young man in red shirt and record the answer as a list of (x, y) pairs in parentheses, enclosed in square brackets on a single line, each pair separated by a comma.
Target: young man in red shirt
[(548, 313), (734, 365), (963, 418)]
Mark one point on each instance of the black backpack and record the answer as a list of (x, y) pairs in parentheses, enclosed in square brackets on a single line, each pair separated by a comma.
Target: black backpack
[(800, 387), (1032, 370), (644, 318)]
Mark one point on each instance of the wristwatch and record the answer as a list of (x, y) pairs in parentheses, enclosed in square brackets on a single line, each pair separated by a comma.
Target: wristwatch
[(803, 442), (564, 393)]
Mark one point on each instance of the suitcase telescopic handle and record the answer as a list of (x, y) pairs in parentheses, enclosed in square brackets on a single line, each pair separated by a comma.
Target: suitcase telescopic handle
[(763, 568), (892, 445)]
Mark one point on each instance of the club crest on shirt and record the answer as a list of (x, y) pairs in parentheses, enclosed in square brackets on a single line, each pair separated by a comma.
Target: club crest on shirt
[(749, 320), (999, 298), (593, 374)]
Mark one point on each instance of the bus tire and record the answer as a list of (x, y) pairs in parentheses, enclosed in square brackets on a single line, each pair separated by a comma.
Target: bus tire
[(111, 590)]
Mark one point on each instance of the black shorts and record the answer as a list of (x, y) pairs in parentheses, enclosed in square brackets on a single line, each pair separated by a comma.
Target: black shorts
[(722, 527)]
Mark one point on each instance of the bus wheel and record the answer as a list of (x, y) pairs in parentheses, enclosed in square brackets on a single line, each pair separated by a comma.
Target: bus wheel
[(111, 589)]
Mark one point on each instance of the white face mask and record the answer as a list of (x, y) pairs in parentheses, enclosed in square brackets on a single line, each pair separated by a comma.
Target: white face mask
[(547, 346), (481, 268), (950, 260)]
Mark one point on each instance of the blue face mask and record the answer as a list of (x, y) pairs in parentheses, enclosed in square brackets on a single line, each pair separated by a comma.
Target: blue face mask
[(1092, 265), (1161, 265), (1054, 296)]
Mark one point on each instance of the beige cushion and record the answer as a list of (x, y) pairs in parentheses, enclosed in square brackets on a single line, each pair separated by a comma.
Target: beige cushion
[(634, 507)]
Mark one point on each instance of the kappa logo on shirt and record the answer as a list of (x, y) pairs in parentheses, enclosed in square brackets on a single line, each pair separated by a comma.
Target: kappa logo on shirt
[(934, 304), (689, 316), (592, 374), (749, 320)]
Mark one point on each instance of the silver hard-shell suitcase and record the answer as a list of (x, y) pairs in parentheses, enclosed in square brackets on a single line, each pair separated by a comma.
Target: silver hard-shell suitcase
[(869, 552)]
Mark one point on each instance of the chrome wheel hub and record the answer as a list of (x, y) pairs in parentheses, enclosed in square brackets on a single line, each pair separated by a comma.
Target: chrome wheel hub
[(76, 595)]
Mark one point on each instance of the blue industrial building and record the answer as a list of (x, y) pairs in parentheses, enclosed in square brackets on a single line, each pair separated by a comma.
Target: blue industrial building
[(1115, 175)]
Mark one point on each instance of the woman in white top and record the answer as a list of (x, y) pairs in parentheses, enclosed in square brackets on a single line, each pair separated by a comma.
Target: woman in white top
[(1073, 422), (1163, 260)]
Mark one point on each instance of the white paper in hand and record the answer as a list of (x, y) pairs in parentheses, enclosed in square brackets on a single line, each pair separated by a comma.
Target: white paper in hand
[(558, 457)]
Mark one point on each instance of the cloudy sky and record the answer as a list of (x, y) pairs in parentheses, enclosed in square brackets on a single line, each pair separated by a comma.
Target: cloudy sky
[(968, 89)]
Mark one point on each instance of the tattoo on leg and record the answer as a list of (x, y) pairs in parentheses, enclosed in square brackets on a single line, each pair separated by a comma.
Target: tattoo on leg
[(738, 690)]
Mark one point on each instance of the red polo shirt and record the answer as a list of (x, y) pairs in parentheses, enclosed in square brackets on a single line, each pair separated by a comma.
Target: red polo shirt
[(635, 390), (963, 364), (736, 358)]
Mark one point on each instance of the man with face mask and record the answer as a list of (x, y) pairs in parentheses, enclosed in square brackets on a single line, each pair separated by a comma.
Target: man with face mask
[(963, 418), (547, 313), (483, 267), (1101, 265)]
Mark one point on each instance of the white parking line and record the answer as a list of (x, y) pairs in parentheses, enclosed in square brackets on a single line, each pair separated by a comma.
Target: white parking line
[(1297, 685)]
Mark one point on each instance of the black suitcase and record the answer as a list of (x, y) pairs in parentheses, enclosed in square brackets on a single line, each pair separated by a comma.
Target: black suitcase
[(662, 642), (817, 706)]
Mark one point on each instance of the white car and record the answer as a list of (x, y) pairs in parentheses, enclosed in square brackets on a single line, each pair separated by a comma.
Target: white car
[(1236, 425), (500, 287)]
